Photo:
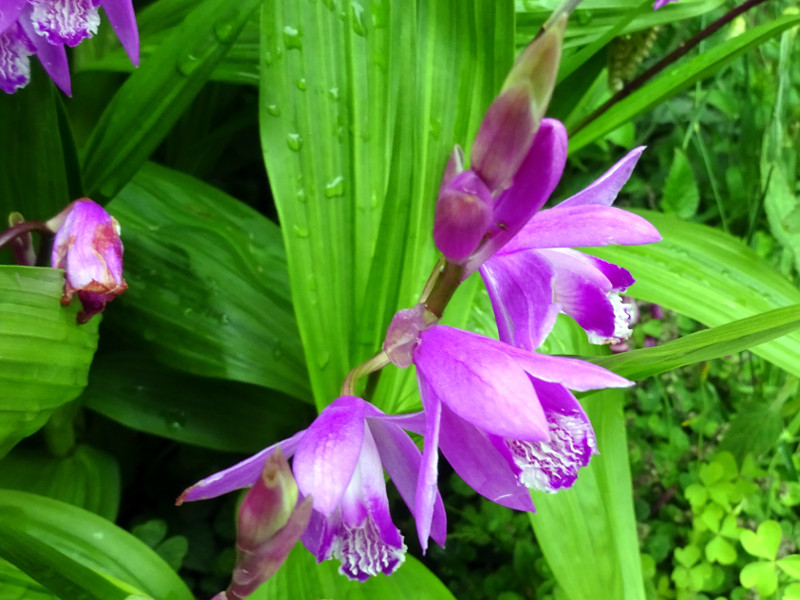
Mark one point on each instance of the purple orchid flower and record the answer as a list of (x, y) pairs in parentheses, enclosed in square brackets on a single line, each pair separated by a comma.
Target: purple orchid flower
[(44, 27), (88, 247), (503, 417), (535, 275), (660, 3), (339, 462)]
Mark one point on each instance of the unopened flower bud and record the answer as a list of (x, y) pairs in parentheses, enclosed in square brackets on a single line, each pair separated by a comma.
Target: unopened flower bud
[(463, 215), (88, 247), (402, 337), (270, 523), (537, 67)]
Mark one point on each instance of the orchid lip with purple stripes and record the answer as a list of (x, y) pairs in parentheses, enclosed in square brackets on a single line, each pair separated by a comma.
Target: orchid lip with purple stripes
[(503, 417), (339, 462), (44, 27), (536, 276)]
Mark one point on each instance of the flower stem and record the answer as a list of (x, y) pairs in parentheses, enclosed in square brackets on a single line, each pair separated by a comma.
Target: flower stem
[(670, 58), (443, 288), (375, 363), (17, 230)]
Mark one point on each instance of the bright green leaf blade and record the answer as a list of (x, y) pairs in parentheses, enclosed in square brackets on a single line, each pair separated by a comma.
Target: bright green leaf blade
[(763, 542), (78, 554), (711, 277), (208, 288), (17, 585), (87, 478), (593, 18), (760, 575), (33, 180), (301, 577), (675, 80), (44, 354), (588, 532), (355, 151), (153, 98), (704, 345), (147, 396)]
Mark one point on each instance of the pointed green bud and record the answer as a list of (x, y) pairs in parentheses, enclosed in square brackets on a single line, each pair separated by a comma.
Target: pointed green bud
[(537, 67)]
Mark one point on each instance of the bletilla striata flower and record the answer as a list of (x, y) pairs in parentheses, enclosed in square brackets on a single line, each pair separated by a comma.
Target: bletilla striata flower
[(503, 417), (339, 462), (536, 275), (88, 247), (44, 27)]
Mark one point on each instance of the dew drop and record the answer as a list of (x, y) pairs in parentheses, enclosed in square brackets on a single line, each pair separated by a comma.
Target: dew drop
[(357, 10), (301, 232), (274, 110), (301, 84), (323, 358), (292, 38), (335, 187), (301, 196), (225, 31), (294, 141), (333, 93)]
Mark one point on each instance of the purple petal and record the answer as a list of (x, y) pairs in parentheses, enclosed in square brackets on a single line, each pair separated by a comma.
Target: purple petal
[(620, 278), (552, 465), (605, 189), (402, 460), (480, 463), (53, 58), (329, 452), (586, 303), (9, 13), (572, 373), (533, 183), (463, 216), (15, 62), (583, 226), (520, 286), (427, 488), (240, 475), (65, 21), (123, 20), (479, 381)]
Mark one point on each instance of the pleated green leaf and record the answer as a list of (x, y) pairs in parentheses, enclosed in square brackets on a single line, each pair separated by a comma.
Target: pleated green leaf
[(208, 289), (674, 80), (301, 577), (154, 97), (19, 586), (132, 389), (355, 149), (44, 354), (87, 477), (34, 178), (713, 278), (588, 532), (77, 554)]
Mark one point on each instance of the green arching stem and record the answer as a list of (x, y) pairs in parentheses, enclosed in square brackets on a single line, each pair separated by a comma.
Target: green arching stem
[(375, 363), (438, 291)]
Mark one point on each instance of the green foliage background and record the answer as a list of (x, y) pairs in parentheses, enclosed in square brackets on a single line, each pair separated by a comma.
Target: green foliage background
[(274, 167)]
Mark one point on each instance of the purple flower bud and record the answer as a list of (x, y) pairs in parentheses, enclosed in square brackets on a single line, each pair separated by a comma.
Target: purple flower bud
[(87, 246), (463, 215), (271, 522)]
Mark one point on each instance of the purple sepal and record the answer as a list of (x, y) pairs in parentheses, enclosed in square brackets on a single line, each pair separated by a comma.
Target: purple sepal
[(10, 11), (123, 20), (534, 181), (604, 189), (463, 216)]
